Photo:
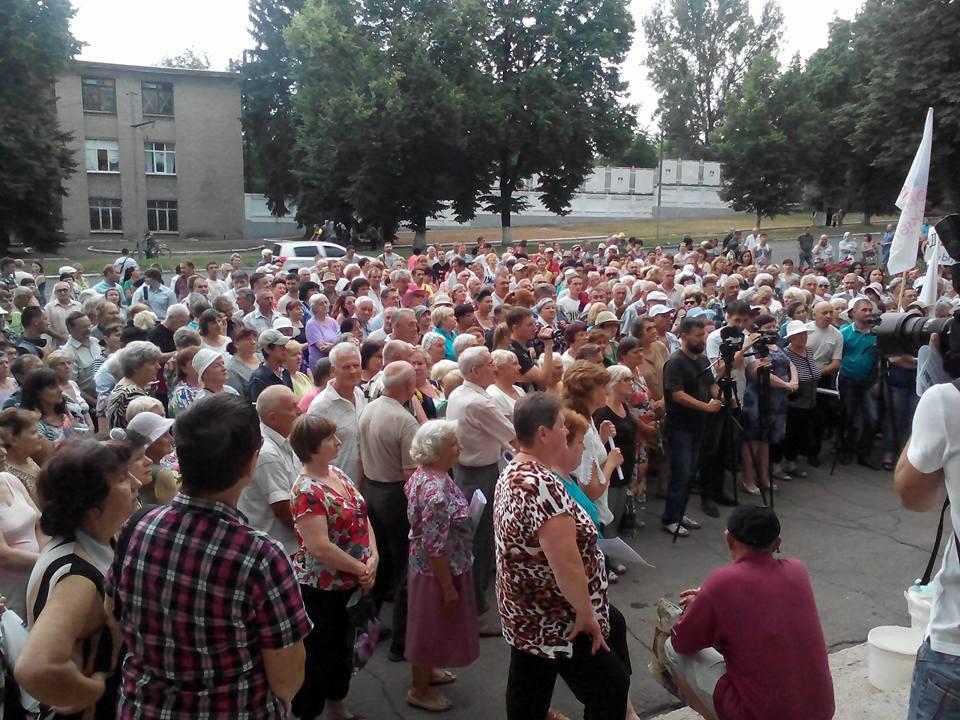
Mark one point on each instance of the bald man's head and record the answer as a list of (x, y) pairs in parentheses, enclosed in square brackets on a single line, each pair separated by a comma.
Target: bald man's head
[(399, 381), (277, 408), (397, 350), (823, 314)]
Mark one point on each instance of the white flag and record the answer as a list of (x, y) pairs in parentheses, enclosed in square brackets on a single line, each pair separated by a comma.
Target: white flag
[(912, 201), (931, 283)]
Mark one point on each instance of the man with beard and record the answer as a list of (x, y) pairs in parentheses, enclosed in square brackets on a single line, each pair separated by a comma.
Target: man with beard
[(691, 393)]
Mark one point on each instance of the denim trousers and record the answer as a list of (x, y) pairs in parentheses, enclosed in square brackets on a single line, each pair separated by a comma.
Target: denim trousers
[(935, 690), (860, 407), (684, 448), (899, 417)]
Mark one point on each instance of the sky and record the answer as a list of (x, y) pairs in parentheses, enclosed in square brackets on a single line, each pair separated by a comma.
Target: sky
[(140, 32)]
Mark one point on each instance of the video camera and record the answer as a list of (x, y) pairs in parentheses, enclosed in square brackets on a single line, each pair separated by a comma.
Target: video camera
[(905, 334)]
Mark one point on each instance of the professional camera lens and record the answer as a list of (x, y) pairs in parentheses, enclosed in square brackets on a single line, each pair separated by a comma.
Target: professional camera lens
[(905, 334)]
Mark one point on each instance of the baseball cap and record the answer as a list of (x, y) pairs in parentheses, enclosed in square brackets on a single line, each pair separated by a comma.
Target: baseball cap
[(754, 526), (66, 269), (659, 310), (605, 317), (857, 298), (657, 296), (271, 337), (204, 358), (442, 300), (575, 248), (794, 327), (697, 312), (149, 425), (329, 277)]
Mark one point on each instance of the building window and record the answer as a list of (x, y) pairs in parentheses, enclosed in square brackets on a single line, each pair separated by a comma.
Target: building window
[(99, 94), (105, 214), (157, 98), (160, 158), (103, 156), (162, 215)]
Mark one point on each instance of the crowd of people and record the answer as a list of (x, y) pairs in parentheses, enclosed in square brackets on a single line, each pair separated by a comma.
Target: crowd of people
[(207, 475)]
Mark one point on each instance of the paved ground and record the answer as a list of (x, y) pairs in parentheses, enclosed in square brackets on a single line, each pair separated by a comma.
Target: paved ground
[(861, 548)]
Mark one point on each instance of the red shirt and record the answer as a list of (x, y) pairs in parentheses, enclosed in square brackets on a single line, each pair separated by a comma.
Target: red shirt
[(760, 614)]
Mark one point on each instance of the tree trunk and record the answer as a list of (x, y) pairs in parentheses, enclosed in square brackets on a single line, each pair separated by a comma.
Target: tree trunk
[(420, 239), (867, 217), (758, 218), (506, 196)]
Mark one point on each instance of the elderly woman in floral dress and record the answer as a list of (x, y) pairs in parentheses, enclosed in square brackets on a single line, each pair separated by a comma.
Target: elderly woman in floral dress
[(442, 616)]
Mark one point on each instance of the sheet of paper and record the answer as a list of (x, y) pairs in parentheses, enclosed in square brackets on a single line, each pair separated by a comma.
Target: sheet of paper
[(618, 551), (477, 503)]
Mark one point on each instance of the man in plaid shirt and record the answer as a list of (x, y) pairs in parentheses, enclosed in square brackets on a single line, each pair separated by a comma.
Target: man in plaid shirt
[(209, 608)]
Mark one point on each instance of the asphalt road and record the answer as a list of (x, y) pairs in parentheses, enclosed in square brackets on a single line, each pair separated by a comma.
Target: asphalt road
[(862, 551)]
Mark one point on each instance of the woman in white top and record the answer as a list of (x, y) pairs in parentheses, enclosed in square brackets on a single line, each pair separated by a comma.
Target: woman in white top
[(213, 331), (62, 366), (503, 391), (20, 540)]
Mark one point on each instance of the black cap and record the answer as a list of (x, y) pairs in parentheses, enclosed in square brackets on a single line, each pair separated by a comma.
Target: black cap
[(756, 527)]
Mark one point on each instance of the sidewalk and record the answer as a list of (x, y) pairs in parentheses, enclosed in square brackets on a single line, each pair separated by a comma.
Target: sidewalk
[(856, 698)]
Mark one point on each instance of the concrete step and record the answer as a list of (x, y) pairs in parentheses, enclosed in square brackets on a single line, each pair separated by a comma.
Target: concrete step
[(856, 698)]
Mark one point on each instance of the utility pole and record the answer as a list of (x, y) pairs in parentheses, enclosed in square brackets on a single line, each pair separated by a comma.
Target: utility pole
[(659, 184)]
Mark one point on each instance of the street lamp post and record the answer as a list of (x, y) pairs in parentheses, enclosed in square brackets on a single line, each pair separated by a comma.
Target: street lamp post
[(659, 183)]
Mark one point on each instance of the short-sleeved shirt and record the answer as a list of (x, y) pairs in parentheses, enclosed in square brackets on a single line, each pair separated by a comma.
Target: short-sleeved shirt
[(825, 343), (935, 444), (386, 431), (692, 376), (536, 617), (272, 482), (347, 528), (346, 414), (523, 357), (199, 595), (859, 354)]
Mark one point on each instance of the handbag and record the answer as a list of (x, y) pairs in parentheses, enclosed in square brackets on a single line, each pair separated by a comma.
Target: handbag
[(363, 631)]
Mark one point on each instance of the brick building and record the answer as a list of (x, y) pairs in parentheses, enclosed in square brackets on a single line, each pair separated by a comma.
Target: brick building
[(157, 149)]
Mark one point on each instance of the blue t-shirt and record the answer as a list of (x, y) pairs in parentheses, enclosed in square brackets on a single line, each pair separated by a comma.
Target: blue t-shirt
[(579, 497), (859, 360)]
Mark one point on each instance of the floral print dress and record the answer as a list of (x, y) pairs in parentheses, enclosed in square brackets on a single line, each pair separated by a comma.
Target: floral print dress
[(438, 514), (346, 525)]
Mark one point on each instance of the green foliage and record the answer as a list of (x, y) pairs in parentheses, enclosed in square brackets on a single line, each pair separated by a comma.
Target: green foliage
[(35, 45), (700, 51), (761, 143), (640, 153), (269, 122), (191, 59)]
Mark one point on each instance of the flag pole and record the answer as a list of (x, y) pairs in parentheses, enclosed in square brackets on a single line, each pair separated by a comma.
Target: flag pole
[(903, 289)]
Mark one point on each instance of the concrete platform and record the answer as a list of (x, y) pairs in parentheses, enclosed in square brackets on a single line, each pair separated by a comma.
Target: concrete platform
[(856, 698)]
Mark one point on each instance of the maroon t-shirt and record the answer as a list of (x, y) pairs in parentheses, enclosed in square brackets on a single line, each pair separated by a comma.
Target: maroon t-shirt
[(760, 614)]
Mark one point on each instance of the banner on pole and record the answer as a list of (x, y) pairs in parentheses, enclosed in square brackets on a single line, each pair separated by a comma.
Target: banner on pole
[(912, 203)]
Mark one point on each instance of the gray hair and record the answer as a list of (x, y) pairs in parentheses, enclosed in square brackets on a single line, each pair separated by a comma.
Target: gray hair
[(502, 357), (441, 368), (431, 339), (142, 404), (93, 306), (472, 358), (396, 350), (186, 337), (319, 298), (341, 349), (363, 300), (397, 373), (247, 293), (463, 342), (177, 310), (398, 275), (137, 354), (430, 440), (618, 373)]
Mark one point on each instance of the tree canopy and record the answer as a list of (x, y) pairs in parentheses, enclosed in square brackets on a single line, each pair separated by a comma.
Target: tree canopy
[(191, 59), (35, 45)]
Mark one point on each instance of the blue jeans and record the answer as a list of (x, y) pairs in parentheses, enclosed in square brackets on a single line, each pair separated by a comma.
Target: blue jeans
[(904, 400), (860, 407), (935, 690), (684, 449)]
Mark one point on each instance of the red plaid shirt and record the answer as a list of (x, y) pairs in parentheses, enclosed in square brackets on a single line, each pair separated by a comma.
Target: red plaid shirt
[(199, 595)]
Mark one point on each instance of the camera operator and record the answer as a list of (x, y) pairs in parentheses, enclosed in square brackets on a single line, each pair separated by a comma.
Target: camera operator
[(858, 382), (713, 455), (930, 461), (691, 396)]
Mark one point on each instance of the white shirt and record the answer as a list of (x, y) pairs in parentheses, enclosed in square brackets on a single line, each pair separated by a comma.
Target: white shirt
[(503, 401), (483, 429), (751, 242), (333, 406), (256, 320), (215, 288), (935, 444), (277, 468)]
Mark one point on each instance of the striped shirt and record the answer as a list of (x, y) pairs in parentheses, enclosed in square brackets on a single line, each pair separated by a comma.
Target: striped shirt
[(199, 595)]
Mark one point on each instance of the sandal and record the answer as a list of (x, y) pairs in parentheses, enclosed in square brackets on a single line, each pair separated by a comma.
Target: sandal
[(443, 677), (438, 704)]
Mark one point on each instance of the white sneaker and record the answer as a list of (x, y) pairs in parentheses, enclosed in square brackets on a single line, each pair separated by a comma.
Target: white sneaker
[(690, 523), (672, 529)]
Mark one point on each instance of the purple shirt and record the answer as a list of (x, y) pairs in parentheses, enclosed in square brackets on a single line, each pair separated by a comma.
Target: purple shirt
[(323, 331)]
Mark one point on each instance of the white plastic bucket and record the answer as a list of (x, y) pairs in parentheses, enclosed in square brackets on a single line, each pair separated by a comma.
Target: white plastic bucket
[(891, 653), (919, 601)]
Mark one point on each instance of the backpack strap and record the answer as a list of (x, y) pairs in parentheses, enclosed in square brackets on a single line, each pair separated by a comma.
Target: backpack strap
[(925, 580)]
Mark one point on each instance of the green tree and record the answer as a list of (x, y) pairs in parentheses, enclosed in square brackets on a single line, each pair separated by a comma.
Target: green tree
[(700, 51), (35, 45), (391, 127), (269, 120), (640, 153), (191, 59), (557, 95), (761, 141)]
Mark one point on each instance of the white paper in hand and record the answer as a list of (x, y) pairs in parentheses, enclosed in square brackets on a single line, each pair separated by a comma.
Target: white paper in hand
[(618, 551), (477, 504)]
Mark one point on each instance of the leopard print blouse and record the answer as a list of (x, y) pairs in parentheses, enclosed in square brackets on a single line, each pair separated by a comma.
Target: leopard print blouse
[(536, 617)]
